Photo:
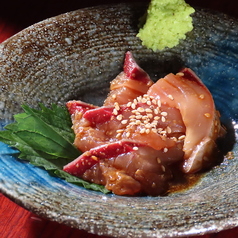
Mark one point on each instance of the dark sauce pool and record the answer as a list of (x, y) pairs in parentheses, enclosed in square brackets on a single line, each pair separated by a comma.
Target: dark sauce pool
[(182, 182)]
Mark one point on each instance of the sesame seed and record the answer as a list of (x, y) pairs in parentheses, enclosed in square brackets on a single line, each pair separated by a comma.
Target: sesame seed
[(114, 96), (158, 160), (140, 109), (148, 126), (124, 122), (116, 105), (134, 111), (154, 123), (128, 104), (128, 134), (147, 131), (201, 96), (159, 103), (119, 130), (165, 150), (133, 106), (132, 123), (135, 148), (94, 157), (154, 101), (169, 130), (148, 110), (156, 111), (119, 117), (170, 97), (118, 135), (180, 74), (142, 131), (150, 115), (163, 119), (163, 168), (143, 100), (139, 116), (144, 117), (154, 130), (115, 112), (182, 137), (139, 99), (149, 103), (164, 114), (207, 115)]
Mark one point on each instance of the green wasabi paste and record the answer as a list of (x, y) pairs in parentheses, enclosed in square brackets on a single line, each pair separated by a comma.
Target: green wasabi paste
[(166, 23)]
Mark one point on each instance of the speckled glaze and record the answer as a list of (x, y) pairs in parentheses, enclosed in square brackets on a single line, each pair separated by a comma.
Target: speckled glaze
[(75, 56)]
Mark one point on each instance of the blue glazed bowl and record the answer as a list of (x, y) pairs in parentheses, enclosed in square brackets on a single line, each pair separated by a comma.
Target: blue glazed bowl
[(75, 56)]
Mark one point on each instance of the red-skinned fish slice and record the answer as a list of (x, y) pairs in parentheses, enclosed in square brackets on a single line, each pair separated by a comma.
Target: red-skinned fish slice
[(129, 84), (103, 123), (133, 70), (78, 106), (99, 115), (93, 156)]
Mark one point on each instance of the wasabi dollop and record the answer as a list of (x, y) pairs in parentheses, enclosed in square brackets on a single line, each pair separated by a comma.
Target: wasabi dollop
[(166, 23)]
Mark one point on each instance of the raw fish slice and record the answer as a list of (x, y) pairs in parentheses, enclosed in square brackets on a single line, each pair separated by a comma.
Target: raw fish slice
[(133, 70), (129, 84), (86, 137), (89, 158), (78, 106), (156, 126), (124, 168), (186, 92)]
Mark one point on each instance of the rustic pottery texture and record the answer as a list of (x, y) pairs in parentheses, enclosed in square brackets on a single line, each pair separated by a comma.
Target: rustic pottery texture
[(75, 56)]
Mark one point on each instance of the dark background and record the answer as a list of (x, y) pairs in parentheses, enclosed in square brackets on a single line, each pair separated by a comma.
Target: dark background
[(26, 12)]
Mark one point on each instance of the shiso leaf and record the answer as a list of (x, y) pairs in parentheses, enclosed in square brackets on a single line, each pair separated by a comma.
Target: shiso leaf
[(44, 138)]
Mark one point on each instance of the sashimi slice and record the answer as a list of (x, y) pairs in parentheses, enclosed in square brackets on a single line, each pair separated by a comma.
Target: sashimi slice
[(186, 92), (133, 70), (89, 158), (143, 121), (129, 84), (78, 106), (124, 167)]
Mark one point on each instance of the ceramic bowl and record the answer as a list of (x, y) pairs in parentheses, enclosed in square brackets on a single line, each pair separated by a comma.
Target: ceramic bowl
[(75, 56)]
